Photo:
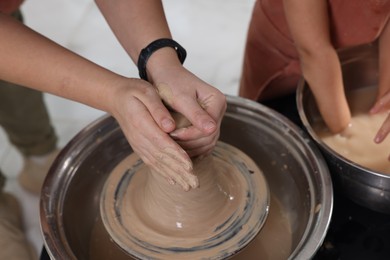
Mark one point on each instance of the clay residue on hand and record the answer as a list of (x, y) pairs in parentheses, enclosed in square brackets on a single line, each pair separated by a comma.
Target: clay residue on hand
[(180, 171), (165, 93)]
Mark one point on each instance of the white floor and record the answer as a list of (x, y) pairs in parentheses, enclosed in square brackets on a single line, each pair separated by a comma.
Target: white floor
[(213, 33)]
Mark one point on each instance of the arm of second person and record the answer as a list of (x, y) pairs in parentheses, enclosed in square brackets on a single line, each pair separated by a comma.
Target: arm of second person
[(309, 25), (138, 23), (383, 98)]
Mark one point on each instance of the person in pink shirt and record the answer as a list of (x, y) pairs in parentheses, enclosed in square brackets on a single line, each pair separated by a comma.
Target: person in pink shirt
[(288, 39)]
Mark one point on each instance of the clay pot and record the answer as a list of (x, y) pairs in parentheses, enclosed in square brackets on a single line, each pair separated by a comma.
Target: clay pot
[(150, 218)]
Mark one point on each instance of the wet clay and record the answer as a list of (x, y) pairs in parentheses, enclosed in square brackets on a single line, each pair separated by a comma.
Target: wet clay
[(357, 142), (148, 217), (274, 242)]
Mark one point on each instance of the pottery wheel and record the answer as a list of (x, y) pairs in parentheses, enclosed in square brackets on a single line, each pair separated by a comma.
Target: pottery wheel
[(151, 219)]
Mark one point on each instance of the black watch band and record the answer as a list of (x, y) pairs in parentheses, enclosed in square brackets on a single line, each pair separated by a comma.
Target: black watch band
[(154, 46)]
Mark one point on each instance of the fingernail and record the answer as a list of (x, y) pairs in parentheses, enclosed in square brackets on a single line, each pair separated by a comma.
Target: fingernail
[(167, 123), (195, 183), (188, 166), (171, 181), (186, 187), (378, 139), (173, 135), (209, 125)]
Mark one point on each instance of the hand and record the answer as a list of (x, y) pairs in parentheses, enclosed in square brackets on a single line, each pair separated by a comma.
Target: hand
[(383, 104), (145, 122), (202, 104), (383, 99)]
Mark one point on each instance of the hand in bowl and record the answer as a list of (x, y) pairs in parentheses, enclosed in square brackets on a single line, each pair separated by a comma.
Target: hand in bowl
[(382, 105)]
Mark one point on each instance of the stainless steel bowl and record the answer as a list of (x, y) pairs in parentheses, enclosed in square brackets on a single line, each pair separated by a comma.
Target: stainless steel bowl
[(298, 179), (364, 186)]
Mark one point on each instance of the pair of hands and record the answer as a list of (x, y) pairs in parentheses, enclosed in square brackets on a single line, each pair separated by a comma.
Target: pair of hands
[(335, 111), (151, 130), (144, 119), (382, 103), (309, 23)]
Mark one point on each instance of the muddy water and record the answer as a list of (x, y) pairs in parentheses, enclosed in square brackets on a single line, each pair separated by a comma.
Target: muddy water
[(274, 241)]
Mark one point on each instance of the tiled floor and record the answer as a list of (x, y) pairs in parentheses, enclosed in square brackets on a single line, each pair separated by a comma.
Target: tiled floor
[(213, 33)]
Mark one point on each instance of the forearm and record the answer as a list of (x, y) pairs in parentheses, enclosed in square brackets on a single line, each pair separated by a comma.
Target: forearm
[(309, 25), (383, 98), (136, 24), (384, 61), (30, 59), (322, 71)]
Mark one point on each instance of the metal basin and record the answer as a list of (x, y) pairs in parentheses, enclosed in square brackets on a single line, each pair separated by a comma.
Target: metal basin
[(298, 179), (364, 186)]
